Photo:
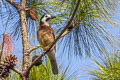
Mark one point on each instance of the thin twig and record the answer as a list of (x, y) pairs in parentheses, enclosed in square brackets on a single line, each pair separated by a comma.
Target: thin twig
[(58, 37), (30, 8), (33, 48), (17, 71), (27, 9), (71, 26), (14, 69), (13, 3)]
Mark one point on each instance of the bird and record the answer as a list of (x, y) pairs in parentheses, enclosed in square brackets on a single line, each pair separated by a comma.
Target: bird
[(46, 37)]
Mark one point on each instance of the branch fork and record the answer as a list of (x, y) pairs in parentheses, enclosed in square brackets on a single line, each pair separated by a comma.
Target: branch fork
[(17, 6), (14, 69)]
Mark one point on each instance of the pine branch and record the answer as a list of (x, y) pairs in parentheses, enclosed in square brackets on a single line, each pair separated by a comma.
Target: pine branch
[(58, 37), (30, 8), (71, 26), (17, 71), (14, 69), (33, 48)]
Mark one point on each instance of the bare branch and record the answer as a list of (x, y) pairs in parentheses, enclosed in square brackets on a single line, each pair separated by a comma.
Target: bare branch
[(67, 30), (17, 71), (27, 9), (30, 8), (33, 48), (13, 3), (14, 69), (44, 53), (71, 26)]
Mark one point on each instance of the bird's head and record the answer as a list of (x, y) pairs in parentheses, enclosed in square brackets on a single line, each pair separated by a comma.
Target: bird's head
[(45, 19)]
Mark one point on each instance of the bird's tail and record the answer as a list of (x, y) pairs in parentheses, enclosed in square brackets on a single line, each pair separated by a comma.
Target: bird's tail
[(53, 62)]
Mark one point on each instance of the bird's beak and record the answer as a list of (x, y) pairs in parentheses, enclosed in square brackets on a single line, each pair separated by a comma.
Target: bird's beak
[(53, 17), (48, 19)]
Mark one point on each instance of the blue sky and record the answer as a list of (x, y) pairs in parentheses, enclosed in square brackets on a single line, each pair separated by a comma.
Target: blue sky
[(84, 64)]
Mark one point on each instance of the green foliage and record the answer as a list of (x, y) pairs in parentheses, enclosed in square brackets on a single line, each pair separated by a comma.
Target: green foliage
[(43, 72), (13, 76), (108, 70)]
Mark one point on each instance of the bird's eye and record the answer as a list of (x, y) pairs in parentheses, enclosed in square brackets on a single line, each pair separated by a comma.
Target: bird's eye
[(46, 16)]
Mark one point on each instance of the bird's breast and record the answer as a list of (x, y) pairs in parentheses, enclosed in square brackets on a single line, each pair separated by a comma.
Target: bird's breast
[(45, 37)]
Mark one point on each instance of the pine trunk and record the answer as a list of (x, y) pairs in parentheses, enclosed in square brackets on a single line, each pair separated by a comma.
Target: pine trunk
[(25, 43)]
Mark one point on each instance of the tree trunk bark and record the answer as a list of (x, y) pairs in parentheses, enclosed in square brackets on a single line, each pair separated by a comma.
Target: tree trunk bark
[(25, 42), (25, 78)]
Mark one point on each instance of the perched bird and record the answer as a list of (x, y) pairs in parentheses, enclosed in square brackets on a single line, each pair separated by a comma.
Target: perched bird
[(45, 35)]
